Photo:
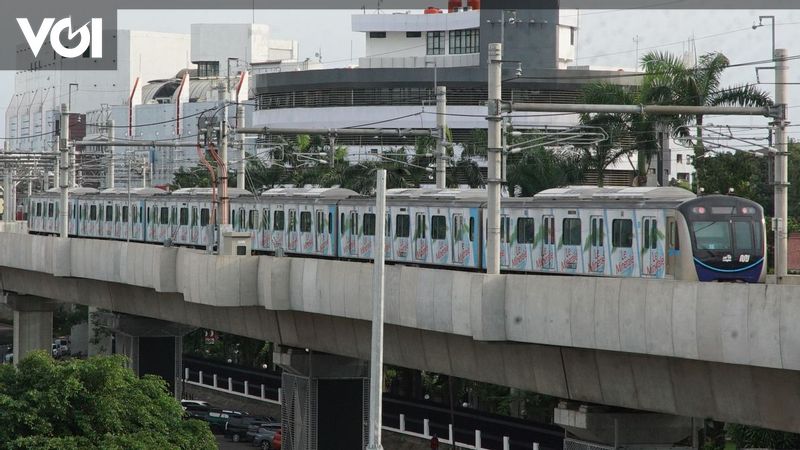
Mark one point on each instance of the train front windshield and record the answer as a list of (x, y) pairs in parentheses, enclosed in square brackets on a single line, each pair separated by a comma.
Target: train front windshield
[(727, 237)]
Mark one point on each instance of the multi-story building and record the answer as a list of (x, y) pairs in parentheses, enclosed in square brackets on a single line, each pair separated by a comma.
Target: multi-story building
[(162, 84)]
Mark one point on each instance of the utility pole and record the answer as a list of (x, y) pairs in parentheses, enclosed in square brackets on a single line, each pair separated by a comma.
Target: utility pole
[(781, 165), (241, 173), (63, 146), (494, 134), (441, 126), (376, 361), (73, 181), (222, 170), (8, 186), (110, 169)]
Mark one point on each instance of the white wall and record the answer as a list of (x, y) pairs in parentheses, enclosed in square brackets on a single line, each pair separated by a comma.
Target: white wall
[(396, 45)]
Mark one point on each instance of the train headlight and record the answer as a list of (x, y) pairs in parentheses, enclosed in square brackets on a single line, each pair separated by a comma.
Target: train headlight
[(748, 210), (699, 210)]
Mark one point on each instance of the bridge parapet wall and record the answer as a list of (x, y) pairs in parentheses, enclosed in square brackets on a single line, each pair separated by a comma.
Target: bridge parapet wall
[(728, 323)]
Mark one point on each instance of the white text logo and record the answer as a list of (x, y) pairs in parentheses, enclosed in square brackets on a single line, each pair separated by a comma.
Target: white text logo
[(90, 35)]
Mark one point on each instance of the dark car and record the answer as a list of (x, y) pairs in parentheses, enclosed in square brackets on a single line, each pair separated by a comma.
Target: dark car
[(262, 437), (237, 427), (216, 418)]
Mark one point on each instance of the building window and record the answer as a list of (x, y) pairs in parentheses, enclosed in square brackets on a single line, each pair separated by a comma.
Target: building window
[(464, 41), (207, 68), (377, 34), (413, 34), (435, 43), (680, 158), (572, 33)]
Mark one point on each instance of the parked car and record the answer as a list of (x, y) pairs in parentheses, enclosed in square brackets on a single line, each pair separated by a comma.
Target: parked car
[(262, 437), (276, 441), (63, 346), (237, 428), (190, 403), (216, 418)]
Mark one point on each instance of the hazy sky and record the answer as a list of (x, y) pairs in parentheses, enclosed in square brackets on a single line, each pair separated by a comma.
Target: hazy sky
[(606, 38)]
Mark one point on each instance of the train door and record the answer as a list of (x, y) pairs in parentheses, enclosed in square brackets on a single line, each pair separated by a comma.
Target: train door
[(278, 228), (321, 231), (181, 234), (117, 221), (306, 231), (387, 235), (401, 243), (73, 218), (50, 219), (108, 225), (366, 234), (440, 243), (622, 260), (597, 250), (350, 232), (420, 236), (205, 224), (163, 223), (652, 261), (673, 246), (461, 244), (194, 225), (265, 231), (124, 218), (82, 216), (291, 228), (571, 233), (253, 223), (525, 242), (548, 259)]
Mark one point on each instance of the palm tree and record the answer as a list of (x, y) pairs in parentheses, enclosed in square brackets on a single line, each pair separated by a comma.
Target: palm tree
[(605, 153), (669, 80)]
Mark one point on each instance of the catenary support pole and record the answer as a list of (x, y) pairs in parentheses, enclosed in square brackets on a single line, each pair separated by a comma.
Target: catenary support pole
[(781, 163), (8, 184), (495, 154), (110, 169), (441, 126), (63, 146), (240, 174), (222, 174), (376, 361)]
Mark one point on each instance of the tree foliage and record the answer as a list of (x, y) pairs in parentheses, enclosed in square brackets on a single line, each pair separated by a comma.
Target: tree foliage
[(91, 404), (540, 169), (753, 437)]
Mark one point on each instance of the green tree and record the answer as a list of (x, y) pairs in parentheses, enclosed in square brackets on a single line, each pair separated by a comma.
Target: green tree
[(606, 152), (91, 404), (540, 169), (753, 437)]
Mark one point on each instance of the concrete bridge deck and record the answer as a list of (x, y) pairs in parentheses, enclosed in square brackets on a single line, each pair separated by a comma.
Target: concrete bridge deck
[(727, 351)]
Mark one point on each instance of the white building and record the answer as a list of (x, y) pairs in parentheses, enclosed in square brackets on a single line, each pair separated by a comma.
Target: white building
[(162, 85)]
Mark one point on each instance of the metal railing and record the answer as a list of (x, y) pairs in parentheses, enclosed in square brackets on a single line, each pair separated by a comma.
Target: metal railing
[(244, 389), (575, 444)]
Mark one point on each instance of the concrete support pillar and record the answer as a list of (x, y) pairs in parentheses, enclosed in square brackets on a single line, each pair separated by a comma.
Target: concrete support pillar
[(33, 323), (324, 400)]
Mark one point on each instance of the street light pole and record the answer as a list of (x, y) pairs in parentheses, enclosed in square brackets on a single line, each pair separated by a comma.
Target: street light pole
[(494, 149), (376, 361)]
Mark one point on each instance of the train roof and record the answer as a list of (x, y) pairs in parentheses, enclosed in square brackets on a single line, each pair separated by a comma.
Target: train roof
[(437, 193), (139, 192), (591, 193), (328, 193), (206, 191), (74, 190)]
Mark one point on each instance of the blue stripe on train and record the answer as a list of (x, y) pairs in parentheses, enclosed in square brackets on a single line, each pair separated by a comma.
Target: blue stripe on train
[(750, 274)]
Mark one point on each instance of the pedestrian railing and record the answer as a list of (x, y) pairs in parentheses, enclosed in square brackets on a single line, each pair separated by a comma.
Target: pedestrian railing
[(227, 384)]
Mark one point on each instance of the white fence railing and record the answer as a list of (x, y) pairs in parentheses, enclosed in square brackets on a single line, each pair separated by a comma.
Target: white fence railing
[(227, 387)]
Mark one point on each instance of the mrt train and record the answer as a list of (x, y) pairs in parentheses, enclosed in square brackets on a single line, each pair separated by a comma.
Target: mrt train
[(642, 232)]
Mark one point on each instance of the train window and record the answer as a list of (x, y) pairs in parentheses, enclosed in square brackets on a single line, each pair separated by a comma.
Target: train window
[(674, 242), (387, 230), (116, 214), (109, 213), (135, 214), (353, 222), (265, 220), (369, 224), (125, 214), (93, 212), (458, 227), (38, 209), (402, 226), (438, 227), (50, 209), (505, 228), (330, 223), (194, 217), (526, 231), (205, 217), (548, 225), (712, 235), (292, 220), (83, 212), (184, 217), (420, 232), (305, 222), (743, 235), (571, 233), (164, 216), (341, 225), (278, 223), (242, 222), (471, 229), (653, 234), (597, 232), (622, 233), (320, 222), (252, 219)]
